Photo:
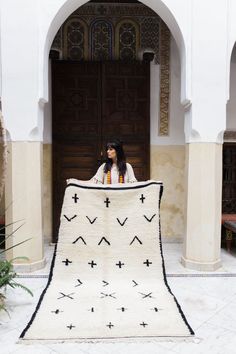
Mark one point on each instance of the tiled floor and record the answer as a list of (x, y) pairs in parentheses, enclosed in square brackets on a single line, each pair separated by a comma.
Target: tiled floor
[(207, 299)]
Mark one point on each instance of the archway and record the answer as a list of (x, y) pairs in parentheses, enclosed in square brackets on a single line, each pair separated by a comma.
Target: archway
[(70, 6), (177, 153)]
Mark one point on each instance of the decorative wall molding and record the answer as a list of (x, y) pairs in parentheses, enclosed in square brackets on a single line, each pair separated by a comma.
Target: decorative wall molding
[(164, 79)]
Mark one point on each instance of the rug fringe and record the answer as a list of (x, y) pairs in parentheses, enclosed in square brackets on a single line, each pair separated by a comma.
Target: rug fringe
[(191, 339)]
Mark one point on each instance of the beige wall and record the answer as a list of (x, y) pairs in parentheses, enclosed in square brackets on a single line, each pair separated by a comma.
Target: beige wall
[(167, 165), (47, 192), (24, 200)]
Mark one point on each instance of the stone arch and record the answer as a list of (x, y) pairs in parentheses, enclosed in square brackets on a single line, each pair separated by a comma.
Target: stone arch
[(69, 6)]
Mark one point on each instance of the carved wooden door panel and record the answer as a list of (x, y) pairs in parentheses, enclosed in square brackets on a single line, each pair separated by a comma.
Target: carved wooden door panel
[(229, 179), (125, 111), (92, 102), (76, 127)]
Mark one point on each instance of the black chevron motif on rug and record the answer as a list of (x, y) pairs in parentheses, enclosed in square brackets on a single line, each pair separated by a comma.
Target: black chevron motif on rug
[(122, 223), (79, 238), (136, 238), (79, 283), (91, 221), (69, 219), (150, 220), (105, 283), (104, 239)]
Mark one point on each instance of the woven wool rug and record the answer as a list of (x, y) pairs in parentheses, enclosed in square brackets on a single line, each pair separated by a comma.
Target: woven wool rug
[(107, 278)]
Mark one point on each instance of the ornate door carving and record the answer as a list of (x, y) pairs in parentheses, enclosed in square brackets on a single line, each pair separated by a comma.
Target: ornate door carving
[(91, 103)]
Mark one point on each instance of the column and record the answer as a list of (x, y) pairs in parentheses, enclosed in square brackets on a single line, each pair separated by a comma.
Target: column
[(203, 206), (24, 204)]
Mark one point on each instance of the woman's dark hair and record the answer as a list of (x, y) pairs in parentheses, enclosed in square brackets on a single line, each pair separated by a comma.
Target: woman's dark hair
[(121, 159)]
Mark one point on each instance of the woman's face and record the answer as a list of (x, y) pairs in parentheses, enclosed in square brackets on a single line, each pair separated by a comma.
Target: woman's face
[(111, 153)]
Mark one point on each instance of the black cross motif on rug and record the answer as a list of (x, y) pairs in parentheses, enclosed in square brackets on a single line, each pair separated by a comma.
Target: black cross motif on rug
[(57, 311), (155, 309), (119, 264), (107, 201), (123, 309), (66, 295), (143, 324), (142, 198), (70, 326), (110, 325), (67, 262), (147, 263), (92, 264), (75, 198), (92, 309)]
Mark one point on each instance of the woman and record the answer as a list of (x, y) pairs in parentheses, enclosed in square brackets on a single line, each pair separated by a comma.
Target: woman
[(115, 169)]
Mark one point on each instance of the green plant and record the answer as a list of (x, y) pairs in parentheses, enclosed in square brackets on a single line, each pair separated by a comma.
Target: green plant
[(7, 278), (7, 273)]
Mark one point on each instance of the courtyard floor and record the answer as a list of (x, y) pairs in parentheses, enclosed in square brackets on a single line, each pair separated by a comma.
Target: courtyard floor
[(207, 299)]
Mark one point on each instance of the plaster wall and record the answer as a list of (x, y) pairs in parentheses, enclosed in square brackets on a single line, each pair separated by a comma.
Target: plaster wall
[(168, 165), (204, 80)]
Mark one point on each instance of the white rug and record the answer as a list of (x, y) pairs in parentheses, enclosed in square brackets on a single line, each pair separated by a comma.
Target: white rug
[(107, 280)]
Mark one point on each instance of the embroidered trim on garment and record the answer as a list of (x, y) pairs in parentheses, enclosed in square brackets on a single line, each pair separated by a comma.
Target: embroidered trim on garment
[(121, 178)]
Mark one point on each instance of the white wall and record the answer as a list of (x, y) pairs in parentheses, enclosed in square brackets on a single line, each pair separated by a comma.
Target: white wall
[(19, 51), (204, 41)]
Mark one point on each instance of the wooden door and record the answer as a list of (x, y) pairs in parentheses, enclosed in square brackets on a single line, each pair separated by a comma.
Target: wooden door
[(126, 111), (93, 102), (229, 179), (76, 126)]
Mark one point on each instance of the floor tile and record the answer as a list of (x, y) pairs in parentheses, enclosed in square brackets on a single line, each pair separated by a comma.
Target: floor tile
[(213, 340)]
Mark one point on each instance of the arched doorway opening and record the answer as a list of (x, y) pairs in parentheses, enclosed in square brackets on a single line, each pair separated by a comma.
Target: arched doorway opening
[(166, 139)]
